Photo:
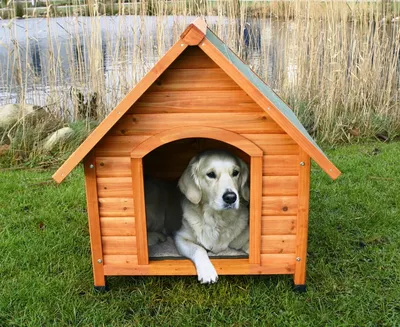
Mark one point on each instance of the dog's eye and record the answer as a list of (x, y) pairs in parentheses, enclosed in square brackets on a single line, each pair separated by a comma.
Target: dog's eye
[(211, 175), (235, 173)]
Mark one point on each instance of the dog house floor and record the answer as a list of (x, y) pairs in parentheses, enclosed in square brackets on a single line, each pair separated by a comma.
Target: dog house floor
[(167, 250)]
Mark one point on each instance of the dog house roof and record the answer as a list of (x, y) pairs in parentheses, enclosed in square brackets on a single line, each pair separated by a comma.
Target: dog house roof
[(198, 34)]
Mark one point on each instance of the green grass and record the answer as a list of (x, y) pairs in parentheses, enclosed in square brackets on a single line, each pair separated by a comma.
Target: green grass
[(353, 262)]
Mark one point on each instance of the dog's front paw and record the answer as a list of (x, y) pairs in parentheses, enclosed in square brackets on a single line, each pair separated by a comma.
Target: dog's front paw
[(207, 274)]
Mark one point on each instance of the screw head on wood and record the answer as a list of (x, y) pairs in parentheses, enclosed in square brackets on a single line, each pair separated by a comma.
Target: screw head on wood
[(302, 163), (91, 166), (99, 261), (298, 259)]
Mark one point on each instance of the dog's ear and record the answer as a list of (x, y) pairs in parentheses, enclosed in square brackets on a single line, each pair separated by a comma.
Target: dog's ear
[(189, 183), (244, 180)]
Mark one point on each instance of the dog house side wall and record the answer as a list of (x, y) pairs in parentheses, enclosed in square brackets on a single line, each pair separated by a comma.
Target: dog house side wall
[(194, 91)]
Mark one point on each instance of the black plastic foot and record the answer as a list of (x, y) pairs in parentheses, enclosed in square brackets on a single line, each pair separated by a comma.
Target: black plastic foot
[(302, 288), (101, 289)]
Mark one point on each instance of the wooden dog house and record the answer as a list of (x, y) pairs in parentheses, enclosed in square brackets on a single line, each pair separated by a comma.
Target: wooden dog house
[(200, 95)]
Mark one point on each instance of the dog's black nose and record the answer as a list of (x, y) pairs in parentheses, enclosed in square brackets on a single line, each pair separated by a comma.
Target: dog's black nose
[(229, 197)]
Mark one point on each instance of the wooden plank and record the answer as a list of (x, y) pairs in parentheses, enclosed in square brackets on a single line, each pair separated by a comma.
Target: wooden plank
[(270, 264), (113, 167), (280, 185), (140, 210), (274, 143), (193, 80), (195, 32), (120, 260), (118, 146), (302, 220), (114, 187), (279, 205), (193, 58), (204, 101), (200, 131), (116, 207), (281, 165), (117, 226), (120, 245), (268, 106), (151, 124), (278, 225), (255, 209), (274, 244), (119, 111), (94, 220)]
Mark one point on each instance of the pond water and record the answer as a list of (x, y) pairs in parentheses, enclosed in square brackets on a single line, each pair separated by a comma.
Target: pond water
[(41, 54)]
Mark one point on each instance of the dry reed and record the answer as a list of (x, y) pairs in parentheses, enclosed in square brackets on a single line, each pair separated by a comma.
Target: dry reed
[(335, 63)]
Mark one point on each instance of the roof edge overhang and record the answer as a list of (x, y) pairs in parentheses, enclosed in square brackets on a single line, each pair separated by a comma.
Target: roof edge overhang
[(192, 35), (226, 64)]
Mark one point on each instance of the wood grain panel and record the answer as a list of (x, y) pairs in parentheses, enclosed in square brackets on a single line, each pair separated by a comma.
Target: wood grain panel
[(280, 185), (195, 102), (113, 167), (270, 264), (278, 225), (118, 146), (120, 260), (279, 205), (281, 165), (120, 245), (272, 244), (116, 207), (155, 123), (94, 220), (117, 226), (274, 144), (193, 80), (193, 58), (114, 187)]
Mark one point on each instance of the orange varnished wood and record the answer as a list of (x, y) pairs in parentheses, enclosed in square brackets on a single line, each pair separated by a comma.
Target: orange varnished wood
[(281, 165), (114, 187), (140, 210), (193, 80), (94, 220), (270, 264), (205, 101), (203, 132), (280, 185), (118, 111), (279, 205), (278, 225), (271, 244), (120, 259), (117, 146), (274, 144), (269, 107), (116, 207), (119, 245), (118, 226), (193, 58), (113, 167), (195, 32), (151, 124), (255, 209), (302, 219)]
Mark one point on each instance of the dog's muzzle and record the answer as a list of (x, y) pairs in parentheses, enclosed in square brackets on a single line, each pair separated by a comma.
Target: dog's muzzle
[(229, 198)]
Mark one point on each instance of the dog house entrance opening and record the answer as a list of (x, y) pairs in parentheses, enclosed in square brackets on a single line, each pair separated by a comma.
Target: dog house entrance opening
[(167, 177)]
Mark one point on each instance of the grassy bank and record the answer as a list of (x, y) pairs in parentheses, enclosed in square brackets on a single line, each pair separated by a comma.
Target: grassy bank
[(353, 270)]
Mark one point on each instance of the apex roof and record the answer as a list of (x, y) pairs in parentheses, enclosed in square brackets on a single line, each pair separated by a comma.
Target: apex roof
[(198, 34)]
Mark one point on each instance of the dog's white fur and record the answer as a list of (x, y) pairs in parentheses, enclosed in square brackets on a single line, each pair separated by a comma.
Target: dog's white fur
[(209, 223)]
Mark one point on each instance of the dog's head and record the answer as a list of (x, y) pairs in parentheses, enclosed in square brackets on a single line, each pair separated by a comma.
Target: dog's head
[(216, 178)]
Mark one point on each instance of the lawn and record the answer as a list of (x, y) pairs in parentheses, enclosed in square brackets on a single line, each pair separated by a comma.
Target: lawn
[(353, 259)]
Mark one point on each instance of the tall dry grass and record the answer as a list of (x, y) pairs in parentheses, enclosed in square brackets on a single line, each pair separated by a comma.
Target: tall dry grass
[(335, 63)]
